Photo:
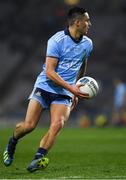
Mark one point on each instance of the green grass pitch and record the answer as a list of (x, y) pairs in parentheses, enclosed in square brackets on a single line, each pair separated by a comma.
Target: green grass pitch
[(78, 154)]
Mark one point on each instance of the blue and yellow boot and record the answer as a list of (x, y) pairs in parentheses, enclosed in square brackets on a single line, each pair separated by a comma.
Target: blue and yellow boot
[(38, 164), (9, 152)]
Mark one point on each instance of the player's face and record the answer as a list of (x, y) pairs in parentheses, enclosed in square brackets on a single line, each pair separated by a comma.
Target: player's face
[(84, 24)]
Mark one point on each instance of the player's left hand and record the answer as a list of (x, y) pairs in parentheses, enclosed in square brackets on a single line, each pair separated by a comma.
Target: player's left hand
[(74, 102)]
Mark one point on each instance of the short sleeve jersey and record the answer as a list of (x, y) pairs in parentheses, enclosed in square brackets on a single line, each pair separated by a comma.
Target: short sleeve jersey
[(70, 55)]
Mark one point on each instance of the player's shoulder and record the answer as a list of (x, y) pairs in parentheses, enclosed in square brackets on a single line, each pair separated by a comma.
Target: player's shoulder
[(88, 40), (58, 36)]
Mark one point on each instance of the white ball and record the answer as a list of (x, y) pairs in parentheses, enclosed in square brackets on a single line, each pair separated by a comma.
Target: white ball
[(89, 86)]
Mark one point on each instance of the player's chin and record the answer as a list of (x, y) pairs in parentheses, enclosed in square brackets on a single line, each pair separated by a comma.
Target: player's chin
[(85, 33)]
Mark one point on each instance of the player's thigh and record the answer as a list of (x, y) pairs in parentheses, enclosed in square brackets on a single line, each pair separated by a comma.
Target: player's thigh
[(34, 111), (59, 113)]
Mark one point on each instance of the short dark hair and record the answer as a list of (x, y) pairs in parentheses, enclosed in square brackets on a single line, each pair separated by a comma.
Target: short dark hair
[(75, 13)]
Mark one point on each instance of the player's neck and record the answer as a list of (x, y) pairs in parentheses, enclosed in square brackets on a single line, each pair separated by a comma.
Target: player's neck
[(74, 34)]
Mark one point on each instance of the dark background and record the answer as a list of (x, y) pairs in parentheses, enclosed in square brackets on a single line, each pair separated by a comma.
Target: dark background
[(26, 25)]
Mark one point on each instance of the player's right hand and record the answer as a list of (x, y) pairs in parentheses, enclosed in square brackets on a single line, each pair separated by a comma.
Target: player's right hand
[(76, 91)]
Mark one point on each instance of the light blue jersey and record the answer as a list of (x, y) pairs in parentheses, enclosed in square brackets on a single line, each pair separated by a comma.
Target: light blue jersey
[(70, 55)]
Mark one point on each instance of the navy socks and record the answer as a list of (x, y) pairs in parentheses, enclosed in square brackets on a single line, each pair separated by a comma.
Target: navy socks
[(40, 153)]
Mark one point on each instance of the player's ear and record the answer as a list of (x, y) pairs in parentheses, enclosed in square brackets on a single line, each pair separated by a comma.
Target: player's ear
[(77, 22)]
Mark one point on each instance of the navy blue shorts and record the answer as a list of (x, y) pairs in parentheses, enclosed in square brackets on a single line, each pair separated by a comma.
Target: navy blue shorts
[(46, 98)]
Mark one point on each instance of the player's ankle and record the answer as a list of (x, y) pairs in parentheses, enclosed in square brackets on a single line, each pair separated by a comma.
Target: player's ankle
[(41, 152), (13, 140)]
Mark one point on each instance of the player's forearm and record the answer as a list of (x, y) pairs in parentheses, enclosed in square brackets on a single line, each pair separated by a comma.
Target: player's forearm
[(58, 80)]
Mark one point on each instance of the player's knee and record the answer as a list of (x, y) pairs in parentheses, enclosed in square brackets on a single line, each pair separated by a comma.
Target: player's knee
[(29, 126), (58, 124)]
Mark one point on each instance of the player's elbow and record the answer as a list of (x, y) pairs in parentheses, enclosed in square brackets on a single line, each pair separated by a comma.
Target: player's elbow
[(48, 74)]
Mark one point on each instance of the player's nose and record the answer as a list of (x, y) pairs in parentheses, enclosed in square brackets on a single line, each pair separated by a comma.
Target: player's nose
[(89, 23)]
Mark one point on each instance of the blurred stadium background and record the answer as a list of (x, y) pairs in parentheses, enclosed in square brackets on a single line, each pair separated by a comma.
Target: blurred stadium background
[(25, 26)]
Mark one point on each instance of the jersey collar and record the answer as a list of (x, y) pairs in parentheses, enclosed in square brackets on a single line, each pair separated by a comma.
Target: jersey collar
[(67, 32)]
